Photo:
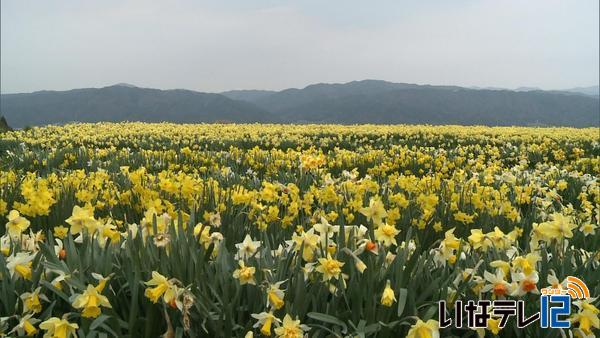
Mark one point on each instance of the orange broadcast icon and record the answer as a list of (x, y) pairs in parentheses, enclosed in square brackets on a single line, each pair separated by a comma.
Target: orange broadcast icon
[(577, 289)]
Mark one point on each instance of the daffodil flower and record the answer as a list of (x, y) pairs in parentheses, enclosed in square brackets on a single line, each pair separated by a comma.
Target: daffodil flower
[(325, 230), (91, 301), (20, 263), (388, 297), (31, 301), (247, 248), (162, 287), (26, 326), (375, 211), (245, 274), (82, 219), (386, 234), (497, 284), (329, 267), (421, 329), (587, 319), (58, 328), (16, 224), (525, 283), (265, 320), (275, 295), (291, 328)]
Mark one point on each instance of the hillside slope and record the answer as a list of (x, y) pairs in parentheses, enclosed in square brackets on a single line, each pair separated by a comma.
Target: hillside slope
[(125, 103), (384, 102)]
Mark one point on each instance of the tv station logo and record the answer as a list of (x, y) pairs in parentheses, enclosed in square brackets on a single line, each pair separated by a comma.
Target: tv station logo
[(555, 308), (550, 315)]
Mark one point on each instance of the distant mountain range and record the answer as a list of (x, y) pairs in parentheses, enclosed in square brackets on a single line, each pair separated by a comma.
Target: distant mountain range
[(126, 103), (592, 91), (368, 101)]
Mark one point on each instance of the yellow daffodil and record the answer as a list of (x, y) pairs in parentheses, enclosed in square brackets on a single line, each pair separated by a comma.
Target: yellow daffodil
[(20, 263), (329, 267), (60, 232), (31, 301), (386, 234), (494, 325), (375, 211), (479, 240), (588, 229), (587, 320), (275, 295), (291, 328), (559, 227), (91, 301), (388, 298), (26, 326), (421, 329), (526, 264), (16, 224), (587, 304), (307, 241), (162, 287), (500, 264), (81, 219), (265, 320), (245, 274), (58, 328)]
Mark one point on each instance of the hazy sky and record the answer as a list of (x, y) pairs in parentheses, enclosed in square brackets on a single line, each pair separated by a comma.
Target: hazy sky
[(244, 44)]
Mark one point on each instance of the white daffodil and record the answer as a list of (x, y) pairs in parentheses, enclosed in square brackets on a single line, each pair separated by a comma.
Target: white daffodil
[(247, 248)]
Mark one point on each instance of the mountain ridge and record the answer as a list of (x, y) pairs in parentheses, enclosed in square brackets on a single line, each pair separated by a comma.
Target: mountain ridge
[(122, 103), (387, 102), (365, 101)]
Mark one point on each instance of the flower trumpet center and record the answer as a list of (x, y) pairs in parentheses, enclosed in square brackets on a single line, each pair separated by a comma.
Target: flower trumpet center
[(156, 292), (266, 328), (332, 267), (275, 300), (500, 289), (424, 332), (24, 270), (388, 230), (246, 274), (528, 285)]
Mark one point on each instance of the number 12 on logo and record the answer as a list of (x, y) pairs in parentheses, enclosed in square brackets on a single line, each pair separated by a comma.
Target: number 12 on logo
[(550, 313)]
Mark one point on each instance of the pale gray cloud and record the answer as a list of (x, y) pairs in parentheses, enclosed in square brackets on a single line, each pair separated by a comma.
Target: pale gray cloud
[(214, 46)]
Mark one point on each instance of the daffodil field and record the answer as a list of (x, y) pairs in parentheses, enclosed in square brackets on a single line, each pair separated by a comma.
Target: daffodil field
[(143, 230)]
